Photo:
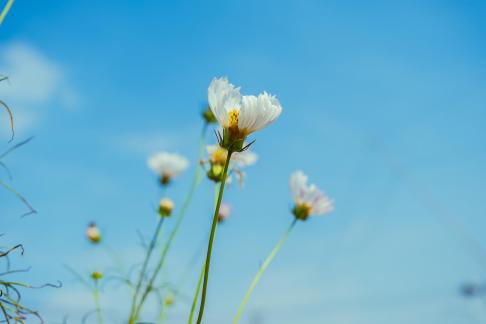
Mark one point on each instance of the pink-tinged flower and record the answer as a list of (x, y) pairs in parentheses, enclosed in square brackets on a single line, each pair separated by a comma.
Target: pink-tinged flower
[(224, 212)]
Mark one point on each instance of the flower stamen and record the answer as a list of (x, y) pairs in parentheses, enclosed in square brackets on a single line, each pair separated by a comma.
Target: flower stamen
[(233, 118)]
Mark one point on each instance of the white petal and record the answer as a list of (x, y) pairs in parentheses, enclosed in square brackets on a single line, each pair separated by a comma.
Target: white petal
[(298, 183), (258, 112), (245, 158), (223, 97)]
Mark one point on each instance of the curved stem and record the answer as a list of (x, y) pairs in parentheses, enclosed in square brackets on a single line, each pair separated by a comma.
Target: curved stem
[(96, 296), (260, 272), (6, 10), (150, 250), (195, 182), (211, 238), (196, 296)]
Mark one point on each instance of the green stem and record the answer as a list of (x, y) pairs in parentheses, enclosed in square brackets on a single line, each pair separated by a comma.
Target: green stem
[(196, 296), (260, 272), (201, 275), (150, 250), (180, 217), (96, 295), (211, 238), (5, 10)]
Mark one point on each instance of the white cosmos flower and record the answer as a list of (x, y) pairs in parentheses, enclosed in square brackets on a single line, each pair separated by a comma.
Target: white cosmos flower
[(167, 165), (242, 115), (309, 200)]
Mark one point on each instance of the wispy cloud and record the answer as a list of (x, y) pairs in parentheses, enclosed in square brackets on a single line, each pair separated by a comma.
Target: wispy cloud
[(35, 82)]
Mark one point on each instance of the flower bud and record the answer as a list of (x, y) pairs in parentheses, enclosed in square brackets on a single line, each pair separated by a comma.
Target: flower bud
[(165, 207), (208, 116), (215, 173), (164, 179), (93, 233), (96, 275)]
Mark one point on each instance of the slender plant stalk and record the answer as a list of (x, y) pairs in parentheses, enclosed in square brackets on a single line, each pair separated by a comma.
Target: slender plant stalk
[(262, 269), (20, 197), (96, 296), (180, 218), (211, 238), (6, 10), (150, 250), (196, 295), (201, 275)]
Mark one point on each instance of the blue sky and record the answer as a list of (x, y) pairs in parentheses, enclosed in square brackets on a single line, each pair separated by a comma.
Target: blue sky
[(384, 108)]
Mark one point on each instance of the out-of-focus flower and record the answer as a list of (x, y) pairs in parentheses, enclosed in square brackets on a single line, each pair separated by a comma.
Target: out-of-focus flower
[(239, 160), (224, 212), (93, 233), (167, 165), (308, 199), (208, 116), (169, 300), (240, 115), (96, 275), (166, 206)]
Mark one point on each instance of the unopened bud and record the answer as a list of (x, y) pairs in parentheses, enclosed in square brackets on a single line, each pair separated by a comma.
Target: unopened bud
[(96, 275), (165, 207), (93, 233)]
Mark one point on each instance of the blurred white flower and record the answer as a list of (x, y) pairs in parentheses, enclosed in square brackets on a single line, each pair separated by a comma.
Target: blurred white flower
[(167, 165), (239, 160), (309, 200), (240, 115)]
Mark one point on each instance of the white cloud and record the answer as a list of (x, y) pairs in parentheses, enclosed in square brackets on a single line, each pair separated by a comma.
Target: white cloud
[(34, 82)]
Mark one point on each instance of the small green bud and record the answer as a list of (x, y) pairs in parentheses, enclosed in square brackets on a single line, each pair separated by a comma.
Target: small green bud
[(209, 116), (169, 300), (96, 275), (215, 173)]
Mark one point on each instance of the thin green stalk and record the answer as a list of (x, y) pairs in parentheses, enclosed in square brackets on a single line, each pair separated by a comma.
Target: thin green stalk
[(260, 272), (196, 295), (201, 275), (150, 250), (211, 238), (6, 10), (96, 296), (180, 218)]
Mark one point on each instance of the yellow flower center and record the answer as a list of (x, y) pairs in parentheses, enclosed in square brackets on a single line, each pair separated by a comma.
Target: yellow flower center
[(233, 118)]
